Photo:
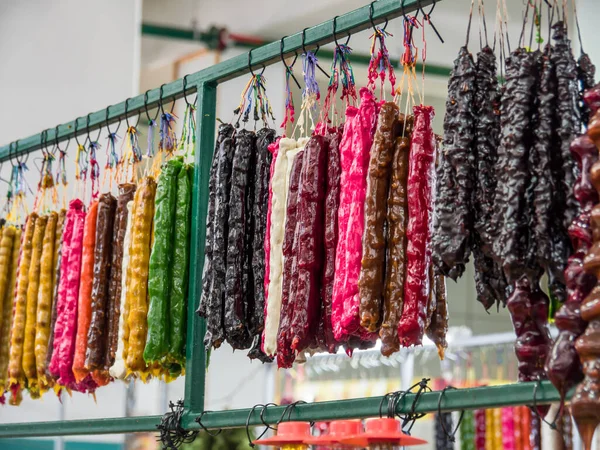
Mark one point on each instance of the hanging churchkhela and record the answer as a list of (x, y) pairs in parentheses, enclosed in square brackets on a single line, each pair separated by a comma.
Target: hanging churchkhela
[(233, 297), (74, 281)]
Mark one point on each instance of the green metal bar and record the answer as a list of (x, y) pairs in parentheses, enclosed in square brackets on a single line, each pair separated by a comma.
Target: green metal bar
[(351, 22), (453, 400), (195, 353), (209, 38), (115, 425), (459, 399)]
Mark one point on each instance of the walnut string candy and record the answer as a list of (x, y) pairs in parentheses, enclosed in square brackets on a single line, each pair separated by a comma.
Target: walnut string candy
[(584, 404)]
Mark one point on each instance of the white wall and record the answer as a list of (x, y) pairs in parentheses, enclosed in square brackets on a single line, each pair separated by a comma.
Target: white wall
[(60, 60)]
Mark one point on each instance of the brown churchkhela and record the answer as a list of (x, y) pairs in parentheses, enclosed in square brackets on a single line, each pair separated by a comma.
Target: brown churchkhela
[(585, 405), (397, 219), (98, 330), (113, 308), (370, 283)]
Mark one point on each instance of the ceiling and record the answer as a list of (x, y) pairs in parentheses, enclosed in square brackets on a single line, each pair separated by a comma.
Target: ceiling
[(276, 18)]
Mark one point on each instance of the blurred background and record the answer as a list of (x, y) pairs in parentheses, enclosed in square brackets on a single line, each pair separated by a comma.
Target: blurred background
[(60, 59)]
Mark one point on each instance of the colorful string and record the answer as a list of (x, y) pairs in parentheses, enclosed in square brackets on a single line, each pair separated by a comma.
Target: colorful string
[(94, 168), (112, 159), (289, 114), (150, 148), (168, 138), (380, 66), (187, 143), (254, 99)]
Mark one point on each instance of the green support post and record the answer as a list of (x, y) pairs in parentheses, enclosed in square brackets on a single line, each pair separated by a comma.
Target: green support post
[(206, 105)]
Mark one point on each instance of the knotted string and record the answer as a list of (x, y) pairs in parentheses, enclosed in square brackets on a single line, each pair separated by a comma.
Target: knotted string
[(168, 138), (254, 99), (150, 148), (95, 168), (187, 143), (311, 94), (380, 65), (132, 155), (341, 72), (81, 168), (289, 100)]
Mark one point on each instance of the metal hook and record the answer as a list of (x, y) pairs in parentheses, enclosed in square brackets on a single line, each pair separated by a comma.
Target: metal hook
[(262, 416), (372, 13), (304, 40), (76, 131), (108, 124), (10, 154), (288, 68), (534, 408), (185, 82), (427, 18), (56, 141), (150, 119), (263, 407), (160, 101), (335, 39), (250, 64), (87, 128), (20, 160), (450, 436), (44, 143), (127, 115), (199, 421)]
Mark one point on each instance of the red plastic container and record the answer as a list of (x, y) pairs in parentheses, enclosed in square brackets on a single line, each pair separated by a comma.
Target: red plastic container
[(382, 434), (290, 436), (338, 430)]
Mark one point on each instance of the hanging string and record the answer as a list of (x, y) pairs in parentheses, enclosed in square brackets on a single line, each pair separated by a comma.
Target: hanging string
[(168, 138), (46, 184), (81, 169), (380, 65), (187, 143), (469, 25), (288, 116), (61, 174), (311, 94), (132, 155), (254, 99), (94, 168), (341, 72), (21, 190), (150, 145), (574, 3), (409, 63)]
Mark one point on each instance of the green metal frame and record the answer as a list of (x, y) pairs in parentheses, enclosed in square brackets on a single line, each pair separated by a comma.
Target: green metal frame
[(205, 83)]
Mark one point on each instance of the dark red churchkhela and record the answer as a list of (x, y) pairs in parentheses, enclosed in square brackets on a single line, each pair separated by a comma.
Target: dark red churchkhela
[(330, 238), (285, 355), (309, 244), (563, 366), (421, 179), (585, 404)]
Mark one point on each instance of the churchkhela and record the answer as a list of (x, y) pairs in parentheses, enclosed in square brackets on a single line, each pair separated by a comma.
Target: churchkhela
[(73, 280)]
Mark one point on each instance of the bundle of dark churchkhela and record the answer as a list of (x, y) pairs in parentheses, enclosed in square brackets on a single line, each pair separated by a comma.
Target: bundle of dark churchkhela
[(454, 218), (489, 278), (563, 366), (515, 246), (584, 404), (233, 296)]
